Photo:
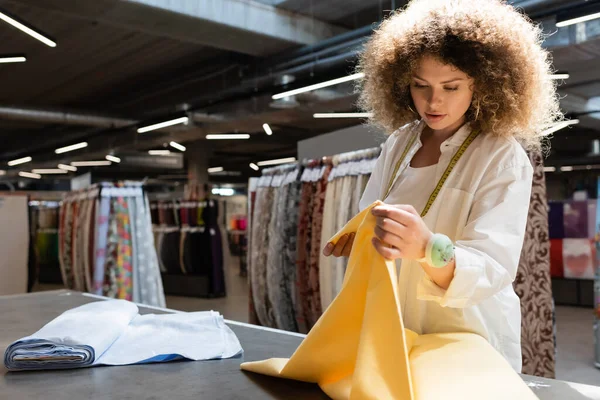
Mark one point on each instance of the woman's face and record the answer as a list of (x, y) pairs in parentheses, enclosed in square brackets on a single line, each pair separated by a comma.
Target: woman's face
[(441, 93)]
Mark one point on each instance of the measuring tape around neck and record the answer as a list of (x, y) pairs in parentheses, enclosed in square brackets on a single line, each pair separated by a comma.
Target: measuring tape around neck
[(465, 145)]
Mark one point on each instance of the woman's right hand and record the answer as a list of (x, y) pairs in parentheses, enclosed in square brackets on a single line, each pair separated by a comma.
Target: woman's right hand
[(342, 248)]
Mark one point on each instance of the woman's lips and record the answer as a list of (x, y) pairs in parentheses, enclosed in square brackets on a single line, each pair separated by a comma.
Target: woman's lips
[(434, 117)]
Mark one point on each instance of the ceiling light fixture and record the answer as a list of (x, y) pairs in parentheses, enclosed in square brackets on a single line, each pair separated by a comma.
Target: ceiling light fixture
[(44, 171), (90, 163), (223, 191), (577, 15), (560, 125), (321, 85), (67, 167), (549, 169), (16, 59), (19, 161), (176, 121), (236, 136), (215, 170), (30, 175), (177, 146), (254, 166), (560, 76), (9, 20), (277, 162), (71, 148), (267, 129), (342, 115), (113, 158), (159, 152), (566, 168)]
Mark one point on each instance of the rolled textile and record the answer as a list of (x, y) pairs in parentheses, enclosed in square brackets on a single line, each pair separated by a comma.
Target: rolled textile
[(113, 333)]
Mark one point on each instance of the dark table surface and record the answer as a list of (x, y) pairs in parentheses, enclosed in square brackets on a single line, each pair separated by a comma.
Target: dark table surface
[(23, 315)]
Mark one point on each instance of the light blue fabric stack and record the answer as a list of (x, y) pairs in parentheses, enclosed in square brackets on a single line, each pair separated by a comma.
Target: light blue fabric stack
[(112, 332)]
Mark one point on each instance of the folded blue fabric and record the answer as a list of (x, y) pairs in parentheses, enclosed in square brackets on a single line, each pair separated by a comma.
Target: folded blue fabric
[(113, 333)]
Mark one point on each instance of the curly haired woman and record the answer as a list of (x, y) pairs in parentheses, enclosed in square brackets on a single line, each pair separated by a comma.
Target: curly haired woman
[(464, 87)]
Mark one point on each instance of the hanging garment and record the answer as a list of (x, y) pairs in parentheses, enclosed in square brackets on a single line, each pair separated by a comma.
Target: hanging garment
[(314, 293), (135, 259), (87, 236), (262, 304), (211, 218), (533, 284), (76, 259), (556, 258), (90, 252), (302, 304), (101, 243), (376, 358), (151, 290), (169, 250), (252, 186), (184, 215), (556, 223), (342, 218), (290, 232), (328, 229), (124, 271), (109, 286)]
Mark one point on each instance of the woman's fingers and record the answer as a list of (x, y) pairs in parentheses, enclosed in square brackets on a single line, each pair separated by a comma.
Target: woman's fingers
[(389, 253), (348, 247), (388, 238)]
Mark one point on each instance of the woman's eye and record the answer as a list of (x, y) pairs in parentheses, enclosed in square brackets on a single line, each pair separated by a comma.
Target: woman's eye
[(452, 89), (419, 86)]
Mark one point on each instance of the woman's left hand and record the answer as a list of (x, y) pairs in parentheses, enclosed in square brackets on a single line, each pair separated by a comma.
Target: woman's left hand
[(400, 232)]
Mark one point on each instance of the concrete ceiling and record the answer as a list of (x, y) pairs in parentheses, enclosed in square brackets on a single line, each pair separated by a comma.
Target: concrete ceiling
[(134, 61)]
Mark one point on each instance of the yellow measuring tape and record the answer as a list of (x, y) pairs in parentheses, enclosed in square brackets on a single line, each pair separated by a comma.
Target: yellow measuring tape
[(442, 180)]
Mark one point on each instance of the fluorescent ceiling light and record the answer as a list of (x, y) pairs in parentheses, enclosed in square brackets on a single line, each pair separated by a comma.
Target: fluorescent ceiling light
[(549, 169), (236, 136), (176, 121), (30, 175), (223, 191), (159, 152), (574, 21), (559, 125), (6, 60), (27, 30), (254, 166), (566, 169), (276, 162), (342, 115), (19, 161), (44, 171), (267, 129), (113, 159), (71, 148), (90, 163), (177, 146), (67, 167), (560, 76), (215, 169), (321, 85)]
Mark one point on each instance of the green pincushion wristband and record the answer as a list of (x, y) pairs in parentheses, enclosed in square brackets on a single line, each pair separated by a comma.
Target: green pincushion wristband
[(439, 251)]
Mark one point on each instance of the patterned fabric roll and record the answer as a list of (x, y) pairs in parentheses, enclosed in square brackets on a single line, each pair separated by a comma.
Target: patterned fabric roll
[(301, 303), (533, 284), (327, 231), (101, 252)]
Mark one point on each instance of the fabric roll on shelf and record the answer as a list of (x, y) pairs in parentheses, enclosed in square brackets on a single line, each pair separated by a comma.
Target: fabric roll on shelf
[(291, 209), (106, 245)]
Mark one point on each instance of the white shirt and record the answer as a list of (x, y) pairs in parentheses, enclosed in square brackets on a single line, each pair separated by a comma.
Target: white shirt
[(483, 208)]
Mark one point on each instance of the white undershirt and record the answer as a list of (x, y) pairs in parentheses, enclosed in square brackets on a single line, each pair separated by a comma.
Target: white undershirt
[(413, 187)]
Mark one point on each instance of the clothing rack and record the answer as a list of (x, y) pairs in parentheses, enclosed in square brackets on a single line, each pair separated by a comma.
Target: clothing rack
[(293, 209), (189, 246), (106, 245)]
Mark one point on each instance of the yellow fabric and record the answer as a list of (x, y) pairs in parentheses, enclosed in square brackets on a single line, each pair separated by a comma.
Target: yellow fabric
[(359, 348)]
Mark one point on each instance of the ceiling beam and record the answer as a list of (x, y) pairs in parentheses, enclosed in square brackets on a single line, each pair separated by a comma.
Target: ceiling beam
[(242, 26)]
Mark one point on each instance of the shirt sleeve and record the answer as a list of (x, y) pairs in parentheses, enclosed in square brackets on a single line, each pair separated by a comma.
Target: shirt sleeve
[(487, 253), (373, 189)]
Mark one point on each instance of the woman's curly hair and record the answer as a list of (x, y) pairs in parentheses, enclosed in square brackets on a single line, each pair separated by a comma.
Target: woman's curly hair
[(488, 40)]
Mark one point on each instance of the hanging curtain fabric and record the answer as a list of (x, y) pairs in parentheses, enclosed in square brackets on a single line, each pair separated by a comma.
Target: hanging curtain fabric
[(292, 211), (533, 284), (252, 188), (106, 244)]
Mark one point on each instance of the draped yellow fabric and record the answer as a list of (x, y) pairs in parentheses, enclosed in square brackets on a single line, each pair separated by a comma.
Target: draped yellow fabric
[(359, 348)]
